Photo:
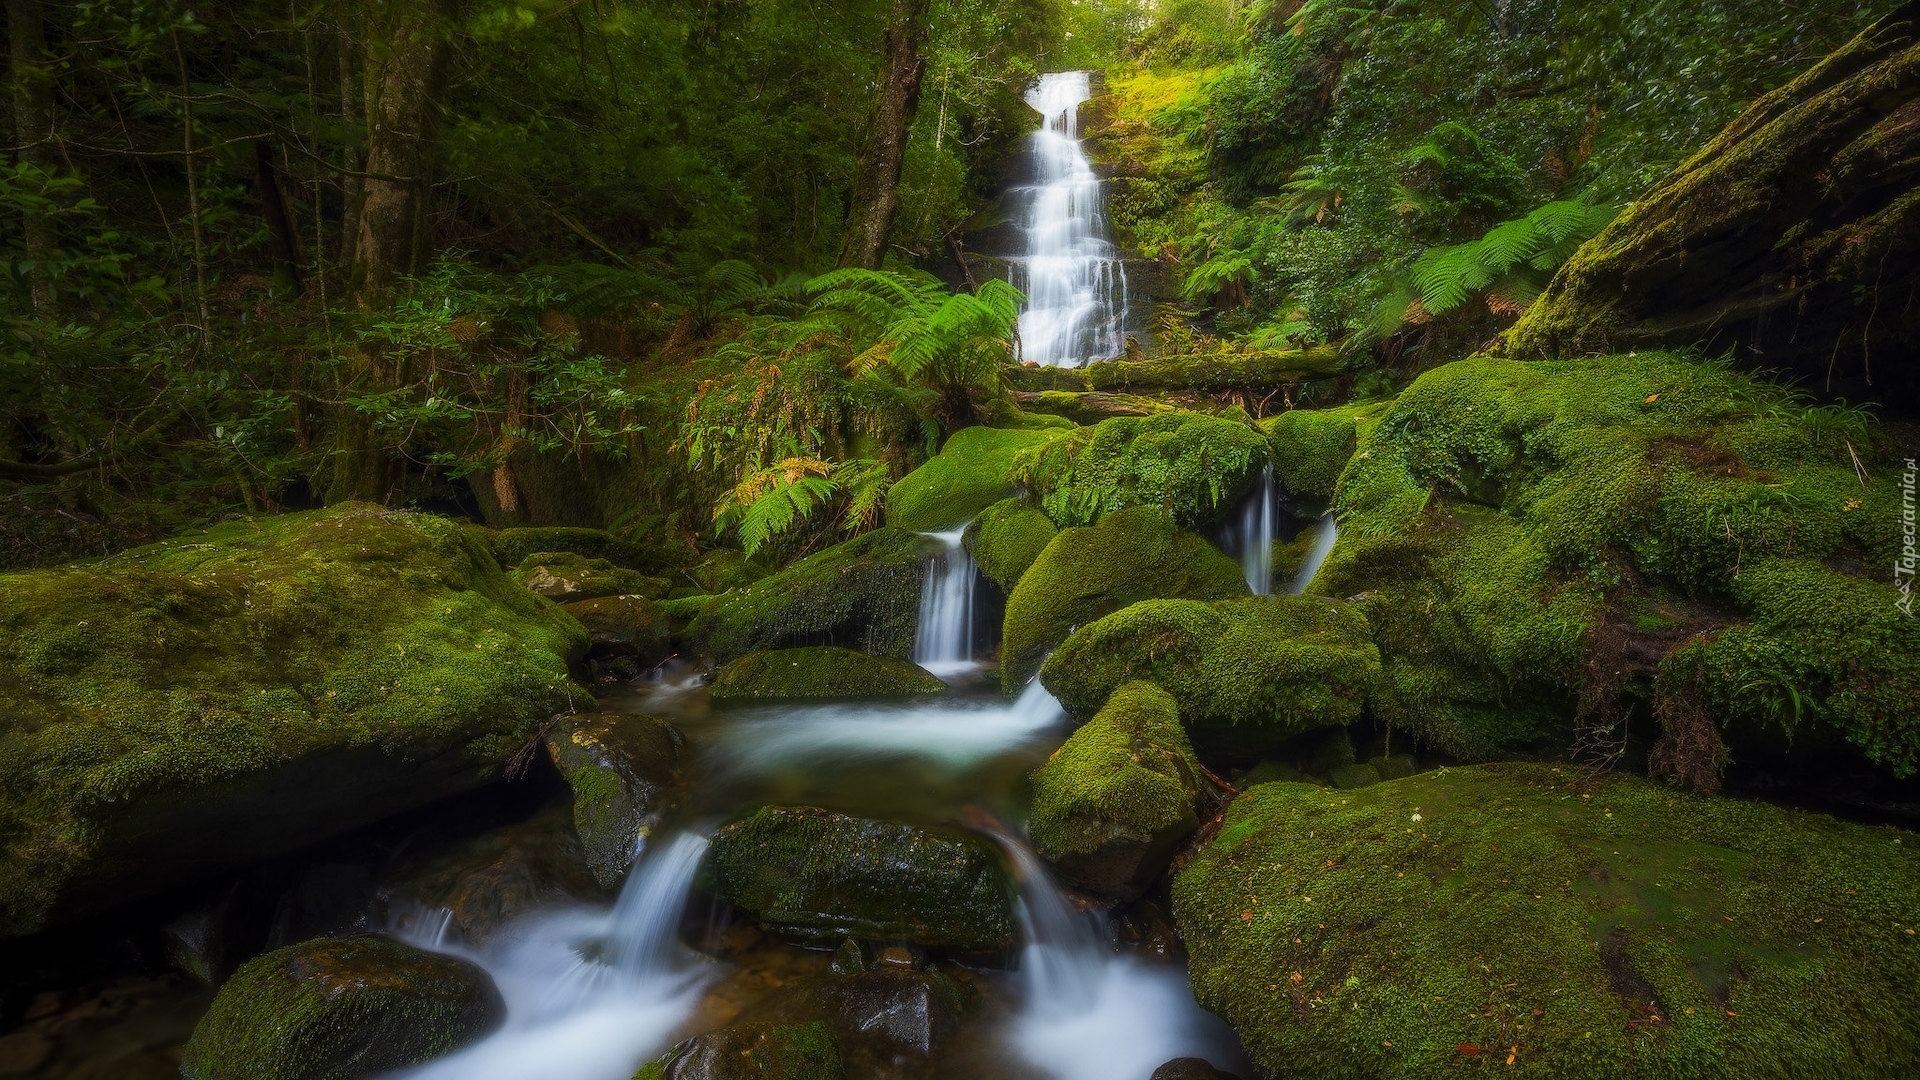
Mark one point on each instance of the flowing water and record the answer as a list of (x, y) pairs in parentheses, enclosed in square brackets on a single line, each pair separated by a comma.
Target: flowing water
[(1325, 533), (1071, 272), (1251, 533), (943, 642)]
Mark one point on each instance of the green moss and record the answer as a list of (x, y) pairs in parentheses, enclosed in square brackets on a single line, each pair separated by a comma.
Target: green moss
[(154, 706), (1006, 538), (632, 622), (512, 546), (1194, 372), (971, 472), (1248, 673), (1082, 574), (621, 768), (1591, 929), (724, 568), (1192, 465), (564, 577), (824, 876), (341, 1008), (1111, 803), (1309, 451), (864, 594), (1091, 407), (822, 672)]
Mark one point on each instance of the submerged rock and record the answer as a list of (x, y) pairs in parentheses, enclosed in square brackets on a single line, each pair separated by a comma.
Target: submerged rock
[(822, 672), (621, 768), (341, 1009), (210, 701), (564, 577), (1114, 802), (1248, 673), (971, 472), (1006, 538), (752, 1050), (822, 876), (1084, 573), (862, 594), (1190, 465), (1579, 927)]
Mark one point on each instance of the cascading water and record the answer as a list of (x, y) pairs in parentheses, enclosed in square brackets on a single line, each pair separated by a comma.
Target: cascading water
[(1325, 533), (1252, 532), (1071, 273), (943, 642)]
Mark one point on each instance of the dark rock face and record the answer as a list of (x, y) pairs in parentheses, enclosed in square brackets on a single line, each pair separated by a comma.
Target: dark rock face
[(620, 768), (1794, 234), (1190, 1068), (340, 1009), (628, 632), (823, 876), (863, 594), (489, 880)]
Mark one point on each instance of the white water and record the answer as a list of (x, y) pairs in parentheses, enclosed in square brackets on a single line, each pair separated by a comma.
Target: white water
[(943, 642), (1071, 273), (1325, 533), (1251, 537), (591, 994)]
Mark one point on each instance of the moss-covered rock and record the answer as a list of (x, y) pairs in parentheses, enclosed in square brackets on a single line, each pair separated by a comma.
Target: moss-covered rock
[(1082, 574), (824, 672), (1513, 528), (1089, 407), (622, 769), (1574, 928), (1192, 465), (1006, 538), (1310, 449), (631, 626), (341, 1009), (823, 876), (210, 701), (563, 577), (972, 472), (1112, 804), (1247, 673), (513, 546), (752, 1050), (863, 594), (1194, 372), (724, 568)]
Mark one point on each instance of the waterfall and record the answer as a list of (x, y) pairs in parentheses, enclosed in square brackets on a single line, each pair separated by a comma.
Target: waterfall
[(646, 918), (1252, 532), (943, 642), (1325, 533), (1071, 272)]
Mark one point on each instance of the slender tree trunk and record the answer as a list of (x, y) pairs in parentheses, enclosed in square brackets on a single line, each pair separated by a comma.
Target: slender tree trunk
[(876, 191), (283, 237), (33, 134), (407, 54)]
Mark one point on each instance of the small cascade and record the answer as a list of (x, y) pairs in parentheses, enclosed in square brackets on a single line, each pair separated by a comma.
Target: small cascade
[(1250, 538), (646, 918), (943, 643), (1071, 272), (1325, 533)]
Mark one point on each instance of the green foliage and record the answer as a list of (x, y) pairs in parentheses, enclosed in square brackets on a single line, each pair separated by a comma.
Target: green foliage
[(1512, 262)]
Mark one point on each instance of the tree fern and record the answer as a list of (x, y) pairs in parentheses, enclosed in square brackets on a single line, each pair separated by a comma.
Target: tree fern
[(1511, 262)]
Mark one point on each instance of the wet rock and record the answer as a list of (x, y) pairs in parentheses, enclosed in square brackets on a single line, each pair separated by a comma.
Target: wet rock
[(892, 1022), (852, 957), (821, 672), (564, 577), (723, 568), (621, 768), (752, 1050), (1113, 803), (624, 627), (487, 881), (340, 1009), (822, 876), (205, 703), (1006, 538), (1190, 1068), (971, 472), (862, 594)]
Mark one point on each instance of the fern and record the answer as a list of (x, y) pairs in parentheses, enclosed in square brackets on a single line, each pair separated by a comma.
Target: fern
[(1509, 264)]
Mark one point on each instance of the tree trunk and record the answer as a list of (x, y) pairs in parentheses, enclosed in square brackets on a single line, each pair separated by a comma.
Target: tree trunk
[(407, 54), (33, 135), (876, 191), (283, 238)]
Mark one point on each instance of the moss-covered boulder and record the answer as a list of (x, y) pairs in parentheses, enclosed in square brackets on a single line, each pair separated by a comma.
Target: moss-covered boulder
[(207, 702), (1192, 465), (1006, 538), (1112, 804), (752, 1050), (724, 568), (863, 594), (563, 577), (1310, 448), (972, 472), (1089, 407), (1533, 540), (622, 769), (1084, 573), (513, 546), (822, 672), (1247, 673), (1788, 236), (822, 876), (624, 626), (1542, 924), (341, 1009)]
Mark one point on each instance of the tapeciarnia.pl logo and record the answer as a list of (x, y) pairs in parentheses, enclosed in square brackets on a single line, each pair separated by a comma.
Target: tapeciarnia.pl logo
[(1903, 566)]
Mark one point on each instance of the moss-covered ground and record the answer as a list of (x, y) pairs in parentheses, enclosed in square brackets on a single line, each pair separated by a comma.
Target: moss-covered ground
[(820, 672)]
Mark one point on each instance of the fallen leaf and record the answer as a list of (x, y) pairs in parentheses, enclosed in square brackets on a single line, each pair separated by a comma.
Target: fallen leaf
[(1468, 1048), (1246, 915), (1512, 1052), (1651, 398)]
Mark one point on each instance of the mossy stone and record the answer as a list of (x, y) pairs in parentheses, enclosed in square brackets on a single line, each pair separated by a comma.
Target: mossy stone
[(512, 546), (1084, 573), (564, 577), (341, 1009), (211, 701), (822, 876), (622, 768), (820, 672), (1192, 465), (752, 1050), (1006, 538), (724, 568), (625, 625), (1248, 673), (1113, 803), (862, 594), (970, 473), (1353, 776), (1588, 927), (1310, 449)]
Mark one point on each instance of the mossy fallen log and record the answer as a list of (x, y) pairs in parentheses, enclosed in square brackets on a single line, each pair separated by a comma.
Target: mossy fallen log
[(1205, 372)]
